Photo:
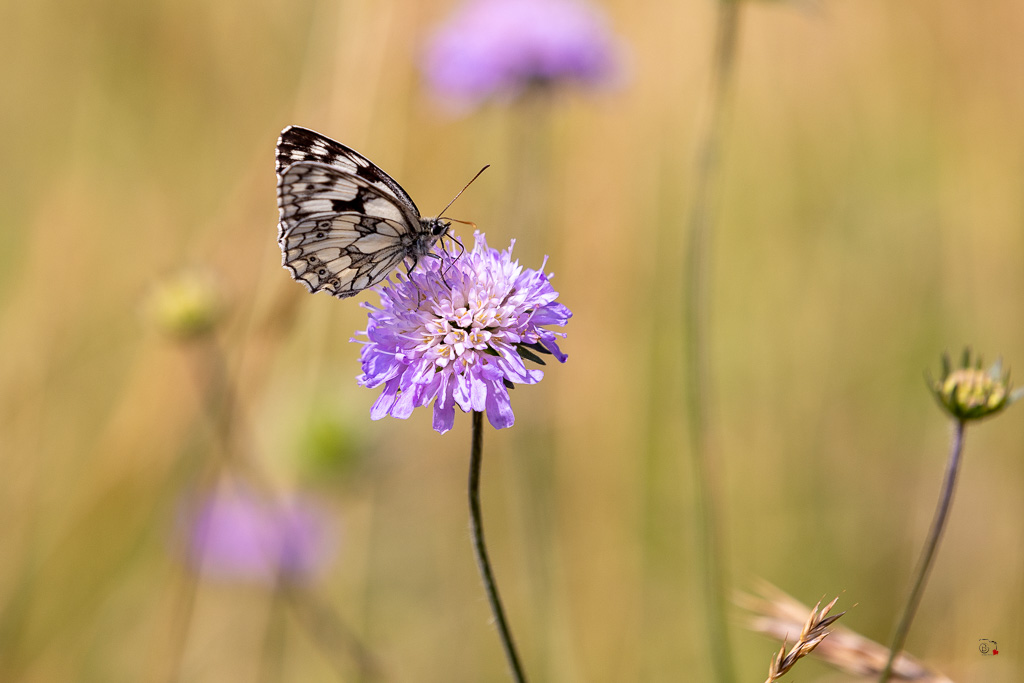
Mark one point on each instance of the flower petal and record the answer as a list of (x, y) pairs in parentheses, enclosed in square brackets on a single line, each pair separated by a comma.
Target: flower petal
[(382, 406), (499, 407), (444, 415), (477, 393)]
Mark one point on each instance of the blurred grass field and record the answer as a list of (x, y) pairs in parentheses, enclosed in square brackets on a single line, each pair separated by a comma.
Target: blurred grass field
[(871, 216)]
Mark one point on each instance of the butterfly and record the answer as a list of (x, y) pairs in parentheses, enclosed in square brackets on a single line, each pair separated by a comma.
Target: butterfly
[(344, 223)]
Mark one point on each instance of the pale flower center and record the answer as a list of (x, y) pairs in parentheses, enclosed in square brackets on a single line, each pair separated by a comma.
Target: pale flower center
[(463, 332)]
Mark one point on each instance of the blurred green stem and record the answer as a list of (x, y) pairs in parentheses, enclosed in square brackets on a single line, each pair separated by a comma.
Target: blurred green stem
[(211, 377), (696, 301), (274, 636), (931, 545), (331, 634), (480, 550), (324, 626), (530, 150)]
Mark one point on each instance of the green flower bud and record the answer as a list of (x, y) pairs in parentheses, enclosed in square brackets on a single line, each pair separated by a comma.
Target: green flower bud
[(971, 393), (185, 306)]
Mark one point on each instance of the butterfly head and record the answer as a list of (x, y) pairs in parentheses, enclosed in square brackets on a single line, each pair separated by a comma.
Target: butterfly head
[(439, 227), (431, 230)]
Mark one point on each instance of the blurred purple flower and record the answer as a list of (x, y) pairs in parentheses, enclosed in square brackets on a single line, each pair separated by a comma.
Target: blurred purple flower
[(456, 332), (240, 535), (502, 47)]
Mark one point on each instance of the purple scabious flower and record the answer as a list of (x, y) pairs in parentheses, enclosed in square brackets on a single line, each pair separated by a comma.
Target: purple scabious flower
[(242, 536), (502, 47), (456, 331)]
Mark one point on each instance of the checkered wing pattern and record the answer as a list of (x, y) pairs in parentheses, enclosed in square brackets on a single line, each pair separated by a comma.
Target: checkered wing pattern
[(344, 224)]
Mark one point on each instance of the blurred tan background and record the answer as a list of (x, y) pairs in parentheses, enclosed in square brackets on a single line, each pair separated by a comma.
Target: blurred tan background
[(871, 216)]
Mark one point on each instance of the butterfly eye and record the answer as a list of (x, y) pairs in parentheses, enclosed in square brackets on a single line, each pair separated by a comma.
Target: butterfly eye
[(321, 271), (323, 225), (320, 235), (312, 259)]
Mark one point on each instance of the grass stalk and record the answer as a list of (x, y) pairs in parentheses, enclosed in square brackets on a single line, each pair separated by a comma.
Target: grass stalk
[(696, 301)]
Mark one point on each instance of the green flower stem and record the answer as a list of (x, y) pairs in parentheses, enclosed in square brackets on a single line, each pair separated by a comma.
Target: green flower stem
[(931, 545), (695, 320), (217, 395), (325, 627), (274, 635), (332, 635), (480, 550)]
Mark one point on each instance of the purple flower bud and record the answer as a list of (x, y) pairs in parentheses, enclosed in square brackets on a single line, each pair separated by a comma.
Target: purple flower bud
[(502, 47), (239, 535)]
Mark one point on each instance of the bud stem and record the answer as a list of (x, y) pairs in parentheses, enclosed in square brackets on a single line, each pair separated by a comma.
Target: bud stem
[(931, 545)]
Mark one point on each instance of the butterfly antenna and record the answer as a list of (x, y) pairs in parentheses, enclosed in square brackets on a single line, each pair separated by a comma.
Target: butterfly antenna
[(463, 190)]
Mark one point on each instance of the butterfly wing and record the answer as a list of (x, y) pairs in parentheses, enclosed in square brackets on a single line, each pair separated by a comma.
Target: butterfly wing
[(337, 231), (298, 144), (341, 255), (344, 223)]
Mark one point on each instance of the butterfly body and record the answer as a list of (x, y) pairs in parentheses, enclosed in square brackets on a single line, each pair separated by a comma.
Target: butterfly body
[(344, 224)]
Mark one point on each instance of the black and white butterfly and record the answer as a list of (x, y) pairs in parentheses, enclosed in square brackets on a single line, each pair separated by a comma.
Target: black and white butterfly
[(344, 223)]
